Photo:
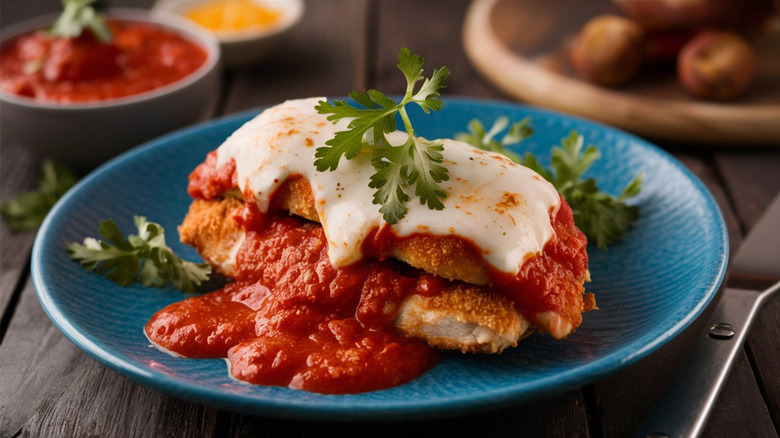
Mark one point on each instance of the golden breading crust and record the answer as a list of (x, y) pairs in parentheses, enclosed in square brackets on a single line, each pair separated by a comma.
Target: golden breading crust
[(463, 317), (445, 256), (295, 196), (210, 228)]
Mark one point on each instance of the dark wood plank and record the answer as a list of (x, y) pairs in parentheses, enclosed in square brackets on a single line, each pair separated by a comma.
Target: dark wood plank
[(523, 420), (731, 416), (752, 179), (18, 172), (50, 388), (762, 346)]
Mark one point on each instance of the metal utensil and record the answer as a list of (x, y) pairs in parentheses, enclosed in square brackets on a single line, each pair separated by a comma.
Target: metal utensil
[(688, 399)]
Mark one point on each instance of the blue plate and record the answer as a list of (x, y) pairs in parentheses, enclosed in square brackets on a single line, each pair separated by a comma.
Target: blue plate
[(649, 286)]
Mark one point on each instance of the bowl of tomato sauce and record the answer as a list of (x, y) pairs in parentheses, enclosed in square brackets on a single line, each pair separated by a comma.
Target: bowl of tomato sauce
[(81, 100)]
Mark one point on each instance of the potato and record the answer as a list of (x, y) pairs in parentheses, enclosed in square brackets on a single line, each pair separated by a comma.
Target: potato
[(716, 65), (609, 50)]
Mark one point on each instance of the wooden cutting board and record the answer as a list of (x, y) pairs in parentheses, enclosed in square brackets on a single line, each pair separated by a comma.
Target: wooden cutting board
[(521, 47)]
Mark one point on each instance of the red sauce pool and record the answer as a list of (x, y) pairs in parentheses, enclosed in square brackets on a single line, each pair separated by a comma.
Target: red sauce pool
[(291, 319), (142, 57)]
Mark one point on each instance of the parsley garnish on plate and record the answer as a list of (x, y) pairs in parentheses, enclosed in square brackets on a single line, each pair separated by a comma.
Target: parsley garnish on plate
[(27, 210), (477, 136), (78, 15), (416, 163), (602, 217), (143, 257)]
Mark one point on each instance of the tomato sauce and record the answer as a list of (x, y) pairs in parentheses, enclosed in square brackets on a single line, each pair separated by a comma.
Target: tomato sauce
[(550, 282), (141, 57), (291, 318), (209, 181)]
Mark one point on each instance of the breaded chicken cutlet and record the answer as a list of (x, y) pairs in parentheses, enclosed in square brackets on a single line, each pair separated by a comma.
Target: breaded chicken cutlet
[(461, 317), (505, 248)]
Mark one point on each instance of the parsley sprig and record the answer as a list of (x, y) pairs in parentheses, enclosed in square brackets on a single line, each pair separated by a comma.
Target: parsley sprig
[(78, 15), (485, 140), (27, 210), (416, 163), (602, 217), (143, 257)]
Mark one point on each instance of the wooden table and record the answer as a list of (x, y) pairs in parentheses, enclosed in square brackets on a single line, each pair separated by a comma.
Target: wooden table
[(49, 388)]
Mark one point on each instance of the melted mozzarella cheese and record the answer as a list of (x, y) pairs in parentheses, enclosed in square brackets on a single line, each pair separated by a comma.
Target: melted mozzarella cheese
[(502, 207)]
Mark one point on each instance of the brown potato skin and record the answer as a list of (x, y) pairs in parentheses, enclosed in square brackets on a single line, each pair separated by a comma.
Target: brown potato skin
[(609, 50), (716, 65)]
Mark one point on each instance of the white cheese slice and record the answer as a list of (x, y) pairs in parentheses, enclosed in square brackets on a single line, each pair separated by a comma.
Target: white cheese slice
[(500, 206)]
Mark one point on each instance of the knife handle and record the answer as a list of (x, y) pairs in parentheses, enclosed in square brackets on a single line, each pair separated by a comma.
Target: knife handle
[(683, 409)]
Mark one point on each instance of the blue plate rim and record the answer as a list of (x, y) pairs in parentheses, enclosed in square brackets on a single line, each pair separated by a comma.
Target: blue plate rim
[(398, 410)]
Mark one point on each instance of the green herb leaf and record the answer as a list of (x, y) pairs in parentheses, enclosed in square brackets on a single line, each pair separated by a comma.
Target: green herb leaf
[(391, 164), (478, 137), (78, 15), (602, 217), (530, 161), (416, 163), (27, 210), (144, 257), (349, 143)]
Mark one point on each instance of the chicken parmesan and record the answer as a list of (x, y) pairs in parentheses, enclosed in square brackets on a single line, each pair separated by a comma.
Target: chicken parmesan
[(328, 297)]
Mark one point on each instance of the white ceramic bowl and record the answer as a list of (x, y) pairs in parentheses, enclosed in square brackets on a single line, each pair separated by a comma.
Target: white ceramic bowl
[(86, 134), (245, 47)]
